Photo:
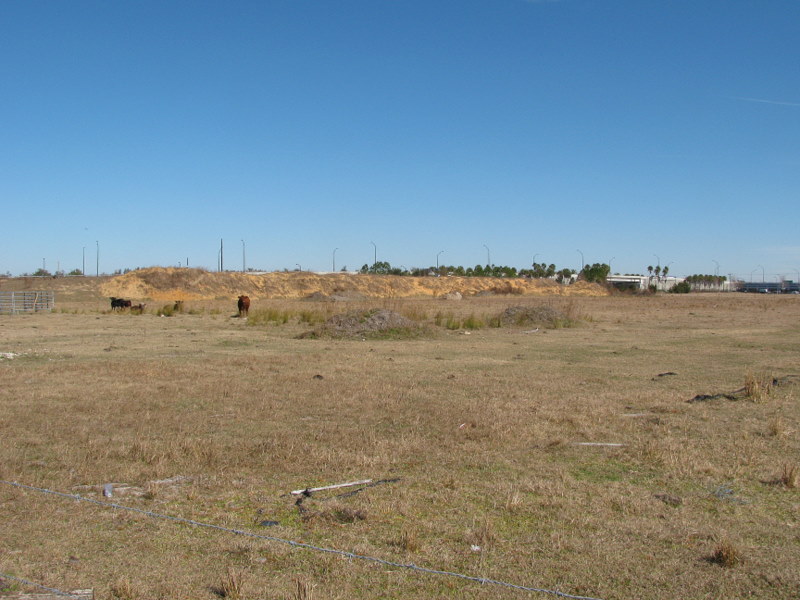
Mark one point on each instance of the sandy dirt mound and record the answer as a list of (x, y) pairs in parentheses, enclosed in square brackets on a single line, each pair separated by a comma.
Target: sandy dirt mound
[(169, 284)]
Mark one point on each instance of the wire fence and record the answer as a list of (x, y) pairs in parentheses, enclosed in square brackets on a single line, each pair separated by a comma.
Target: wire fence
[(303, 545), (54, 591)]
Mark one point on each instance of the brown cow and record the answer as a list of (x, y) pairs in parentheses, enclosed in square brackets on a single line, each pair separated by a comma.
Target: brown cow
[(244, 305)]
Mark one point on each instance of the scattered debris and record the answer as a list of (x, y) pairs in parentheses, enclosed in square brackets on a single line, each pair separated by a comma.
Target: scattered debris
[(635, 414), (268, 523), (611, 444), (723, 492), (318, 376), (109, 490), (741, 393), (667, 374), (475, 548), (8, 355), (83, 594), (309, 491), (532, 330), (172, 480)]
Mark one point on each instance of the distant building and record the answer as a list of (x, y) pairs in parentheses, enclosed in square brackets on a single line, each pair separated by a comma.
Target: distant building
[(787, 286)]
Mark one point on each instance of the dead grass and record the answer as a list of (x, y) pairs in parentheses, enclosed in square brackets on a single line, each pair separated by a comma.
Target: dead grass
[(758, 386), (789, 476), (476, 432)]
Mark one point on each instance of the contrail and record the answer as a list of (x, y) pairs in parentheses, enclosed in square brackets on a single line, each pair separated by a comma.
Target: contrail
[(767, 101)]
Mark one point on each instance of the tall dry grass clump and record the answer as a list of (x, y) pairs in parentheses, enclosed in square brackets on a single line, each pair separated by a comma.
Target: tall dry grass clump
[(726, 554), (231, 585), (789, 476), (758, 386)]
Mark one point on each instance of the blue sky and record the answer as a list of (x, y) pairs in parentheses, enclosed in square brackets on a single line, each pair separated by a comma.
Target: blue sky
[(634, 130)]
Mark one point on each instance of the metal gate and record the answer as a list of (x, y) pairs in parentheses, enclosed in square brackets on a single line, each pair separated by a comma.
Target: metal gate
[(29, 301)]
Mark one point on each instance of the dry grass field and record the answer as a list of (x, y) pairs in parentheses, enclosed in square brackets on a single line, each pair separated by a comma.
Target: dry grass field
[(482, 441)]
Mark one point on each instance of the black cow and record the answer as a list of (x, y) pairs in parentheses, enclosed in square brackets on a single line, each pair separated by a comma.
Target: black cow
[(119, 303)]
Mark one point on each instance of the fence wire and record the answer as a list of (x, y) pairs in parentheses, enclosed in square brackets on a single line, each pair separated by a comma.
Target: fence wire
[(306, 546), (40, 586)]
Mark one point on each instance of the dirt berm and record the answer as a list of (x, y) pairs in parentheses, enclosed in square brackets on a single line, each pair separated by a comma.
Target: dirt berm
[(160, 283)]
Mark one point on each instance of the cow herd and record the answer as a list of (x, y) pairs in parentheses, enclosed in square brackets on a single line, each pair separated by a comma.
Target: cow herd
[(120, 304)]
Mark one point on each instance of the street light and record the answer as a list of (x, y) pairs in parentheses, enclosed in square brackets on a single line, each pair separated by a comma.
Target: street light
[(609, 264), (299, 268), (97, 271), (83, 263), (583, 262), (375, 254), (762, 273), (243, 261), (437, 259), (488, 255), (334, 259), (751, 274), (716, 269), (657, 258)]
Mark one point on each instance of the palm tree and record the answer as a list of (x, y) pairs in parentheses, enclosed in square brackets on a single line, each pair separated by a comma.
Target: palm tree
[(650, 270), (657, 270), (664, 271)]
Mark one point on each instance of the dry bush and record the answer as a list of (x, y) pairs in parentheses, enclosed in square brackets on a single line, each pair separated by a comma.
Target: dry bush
[(408, 540), (758, 387), (789, 476), (231, 585), (122, 589), (726, 554), (482, 534), (777, 428), (303, 590)]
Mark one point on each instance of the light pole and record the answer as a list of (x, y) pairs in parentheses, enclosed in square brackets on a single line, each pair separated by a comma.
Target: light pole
[(658, 258), (609, 264), (97, 265), (716, 268), (437, 259), (374, 255), (751, 274), (762, 273), (299, 268), (243, 259), (583, 262), (83, 263), (488, 256), (534, 260), (334, 259), (43, 267)]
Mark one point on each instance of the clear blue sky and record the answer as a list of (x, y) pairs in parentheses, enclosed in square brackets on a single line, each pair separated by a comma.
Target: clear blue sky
[(634, 129)]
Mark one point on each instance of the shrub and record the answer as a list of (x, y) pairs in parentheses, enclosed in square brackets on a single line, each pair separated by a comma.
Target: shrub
[(681, 288)]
